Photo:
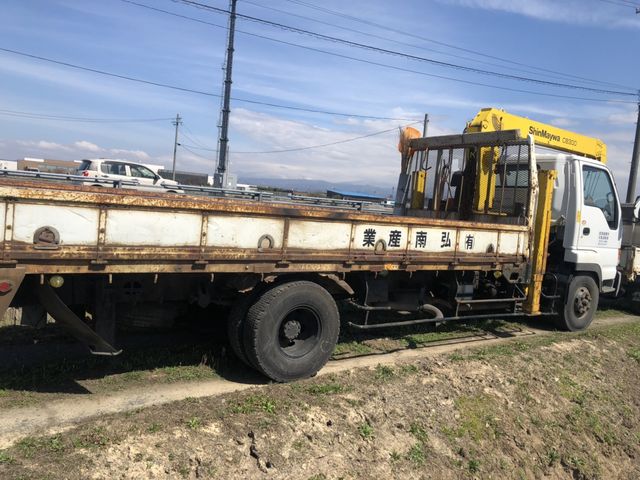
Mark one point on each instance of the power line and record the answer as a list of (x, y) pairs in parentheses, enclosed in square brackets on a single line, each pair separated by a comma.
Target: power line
[(622, 3), (412, 45), (198, 92), (383, 65), (310, 147), (65, 118), (434, 75), (190, 136), (196, 154), (444, 44), (406, 55)]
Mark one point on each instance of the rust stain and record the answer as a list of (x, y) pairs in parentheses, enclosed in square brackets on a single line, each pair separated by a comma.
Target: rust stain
[(122, 198)]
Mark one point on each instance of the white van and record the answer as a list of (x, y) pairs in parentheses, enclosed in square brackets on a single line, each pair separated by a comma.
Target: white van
[(133, 175)]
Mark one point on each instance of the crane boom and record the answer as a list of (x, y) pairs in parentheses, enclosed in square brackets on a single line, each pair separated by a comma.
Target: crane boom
[(493, 119)]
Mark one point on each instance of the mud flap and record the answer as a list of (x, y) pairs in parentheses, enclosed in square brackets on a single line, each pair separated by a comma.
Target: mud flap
[(74, 325), (11, 277)]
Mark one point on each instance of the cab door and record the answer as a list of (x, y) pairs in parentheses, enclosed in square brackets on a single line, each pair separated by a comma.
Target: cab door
[(144, 176), (599, 222)]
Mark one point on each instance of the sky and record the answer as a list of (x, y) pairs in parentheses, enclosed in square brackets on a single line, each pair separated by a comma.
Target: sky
[(579, 43)]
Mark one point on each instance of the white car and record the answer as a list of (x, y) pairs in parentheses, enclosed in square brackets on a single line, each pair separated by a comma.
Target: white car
[(132, 175)]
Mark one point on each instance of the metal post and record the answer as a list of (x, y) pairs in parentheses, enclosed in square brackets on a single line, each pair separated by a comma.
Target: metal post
[(221, 172), (425, 127), (635, 159), (177, 122)]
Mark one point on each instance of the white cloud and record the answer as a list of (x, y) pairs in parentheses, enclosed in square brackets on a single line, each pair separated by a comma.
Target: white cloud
[(563, 122), (43, 145), (85, 145), (139, 154), (566, 11), (71, 151), (372, 160)]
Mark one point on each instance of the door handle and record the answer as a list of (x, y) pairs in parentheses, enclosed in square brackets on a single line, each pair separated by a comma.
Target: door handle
[(586, 231)]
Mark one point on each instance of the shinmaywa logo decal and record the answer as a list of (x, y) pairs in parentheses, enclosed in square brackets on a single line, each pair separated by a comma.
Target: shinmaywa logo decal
[(537, 132), (544, 134)]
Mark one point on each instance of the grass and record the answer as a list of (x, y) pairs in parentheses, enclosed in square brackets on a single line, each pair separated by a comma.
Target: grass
[(6, 459), (477, 416), (384, 372), (473, 466), (154, 427), (194, 423), (255, 403), (351, 348), (416, 454), (365, 430), (134, 366), (419, 432), (635, 354), (326, 389)]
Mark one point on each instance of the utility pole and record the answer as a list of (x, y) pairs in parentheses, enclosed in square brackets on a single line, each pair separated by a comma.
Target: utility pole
[(219, 179), (177, 122), (635, 159)]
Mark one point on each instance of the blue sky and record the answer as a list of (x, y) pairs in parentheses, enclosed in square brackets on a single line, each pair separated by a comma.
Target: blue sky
[(592, 39)]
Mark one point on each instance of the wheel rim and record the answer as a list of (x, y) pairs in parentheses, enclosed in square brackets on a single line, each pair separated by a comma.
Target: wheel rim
[(582, 302), (299, 332)]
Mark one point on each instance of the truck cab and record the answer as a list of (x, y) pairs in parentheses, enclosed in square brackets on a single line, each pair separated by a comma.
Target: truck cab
[(586, 227)]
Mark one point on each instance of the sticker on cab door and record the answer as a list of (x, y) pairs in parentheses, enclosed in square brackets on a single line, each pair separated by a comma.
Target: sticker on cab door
[(603, 238)]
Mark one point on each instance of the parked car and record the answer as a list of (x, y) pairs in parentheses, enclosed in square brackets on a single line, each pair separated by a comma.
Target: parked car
[(131, 174)]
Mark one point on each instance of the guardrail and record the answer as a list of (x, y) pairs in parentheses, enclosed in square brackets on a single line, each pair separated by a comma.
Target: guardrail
[(258, 195)]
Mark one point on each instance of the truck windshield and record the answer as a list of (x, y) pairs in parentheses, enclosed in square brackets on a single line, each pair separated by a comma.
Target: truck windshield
[(598, 192)]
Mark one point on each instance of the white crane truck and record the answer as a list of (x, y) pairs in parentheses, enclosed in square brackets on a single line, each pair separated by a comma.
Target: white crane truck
[(485, 226)]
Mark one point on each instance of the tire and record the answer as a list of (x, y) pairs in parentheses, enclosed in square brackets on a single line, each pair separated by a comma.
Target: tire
[(235, 327), (291, 331), (580, 305)]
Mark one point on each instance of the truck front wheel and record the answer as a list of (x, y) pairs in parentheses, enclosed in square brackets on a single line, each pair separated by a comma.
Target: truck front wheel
[(580, 304), (291, 330)]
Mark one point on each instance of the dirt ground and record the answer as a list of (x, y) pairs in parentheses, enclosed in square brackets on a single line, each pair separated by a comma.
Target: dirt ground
[(553, 406)]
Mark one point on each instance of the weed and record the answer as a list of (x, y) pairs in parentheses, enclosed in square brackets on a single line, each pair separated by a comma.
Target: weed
[(298, 444), (325, 389), (194, 423), (416, 454), (255, 403), (365, 430), (473, 466), (355, 348), (183, 470), (6, 459), (154, 427), (409, 369), (635, 354), (419, 432), (318, 476), (477, 416), (183, 373), (55, 444), (355, 402), (395, 456), (384, 372), (452, 433), (552, 456), (28, 446)]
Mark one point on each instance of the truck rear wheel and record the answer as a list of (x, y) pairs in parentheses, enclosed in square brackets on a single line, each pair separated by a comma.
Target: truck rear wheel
[(580, 305), (235, 327), (291, 331)]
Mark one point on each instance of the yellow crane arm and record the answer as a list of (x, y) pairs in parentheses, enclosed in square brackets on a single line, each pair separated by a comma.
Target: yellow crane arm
[(493, 119)]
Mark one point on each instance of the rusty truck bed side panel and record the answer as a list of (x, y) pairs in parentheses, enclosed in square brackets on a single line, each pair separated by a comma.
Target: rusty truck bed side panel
[(68, 229)]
